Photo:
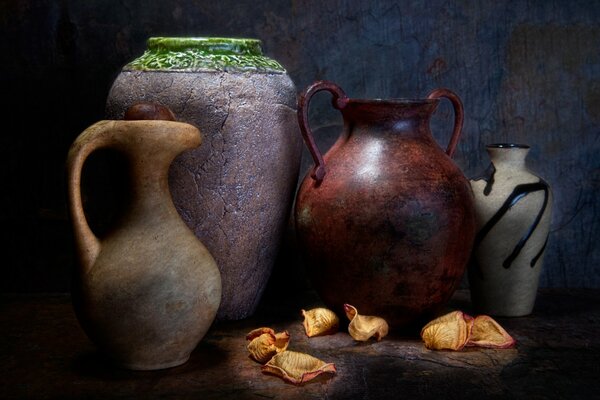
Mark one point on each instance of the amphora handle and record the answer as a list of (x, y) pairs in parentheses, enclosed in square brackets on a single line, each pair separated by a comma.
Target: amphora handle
[(338, 101), (93, 138), (458, 115)]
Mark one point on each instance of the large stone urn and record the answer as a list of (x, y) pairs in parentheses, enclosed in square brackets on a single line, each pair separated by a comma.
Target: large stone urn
[(234, 192)]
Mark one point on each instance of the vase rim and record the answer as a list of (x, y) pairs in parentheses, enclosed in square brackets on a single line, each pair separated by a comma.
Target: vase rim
[(507, 146), (204, 54), (394, 100), (210, 44)]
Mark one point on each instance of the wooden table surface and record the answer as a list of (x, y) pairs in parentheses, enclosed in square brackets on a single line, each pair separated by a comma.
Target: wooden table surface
[(45, 355)]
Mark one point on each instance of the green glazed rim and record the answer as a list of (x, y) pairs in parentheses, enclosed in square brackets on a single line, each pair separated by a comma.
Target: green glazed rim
[(191, 54)]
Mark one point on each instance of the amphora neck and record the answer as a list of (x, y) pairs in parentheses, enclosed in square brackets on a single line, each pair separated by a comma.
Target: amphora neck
[(393, 114)]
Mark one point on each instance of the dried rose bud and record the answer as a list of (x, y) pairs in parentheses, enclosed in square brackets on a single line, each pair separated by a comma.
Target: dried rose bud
[(364, 327), (265, 343), (320, 321), (448, 332), (297, 367), (141, 111), (488, 333)]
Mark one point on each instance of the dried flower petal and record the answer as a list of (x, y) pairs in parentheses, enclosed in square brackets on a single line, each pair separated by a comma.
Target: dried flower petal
[(363, 327), (259, 331), (265, 343), (320, 321), (282, 339), (297, 367), (488, 333), (448, 332)]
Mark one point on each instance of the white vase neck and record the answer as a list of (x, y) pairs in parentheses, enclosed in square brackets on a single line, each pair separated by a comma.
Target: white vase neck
[(508, 155)]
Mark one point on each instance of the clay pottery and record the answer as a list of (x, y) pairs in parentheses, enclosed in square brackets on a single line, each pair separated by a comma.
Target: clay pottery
[(147, 292), (235, 192), (385, 219), (513, 208)]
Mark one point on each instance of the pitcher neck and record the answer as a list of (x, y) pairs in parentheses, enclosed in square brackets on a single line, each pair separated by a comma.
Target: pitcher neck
[(149, 186), (150, 146)]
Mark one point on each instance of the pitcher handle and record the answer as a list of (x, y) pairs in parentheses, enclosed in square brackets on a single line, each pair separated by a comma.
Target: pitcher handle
[(458, 115), (93, 138), (338, 101)]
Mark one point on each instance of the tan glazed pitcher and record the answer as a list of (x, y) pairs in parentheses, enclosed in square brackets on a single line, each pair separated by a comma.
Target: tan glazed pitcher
[(147, 292)]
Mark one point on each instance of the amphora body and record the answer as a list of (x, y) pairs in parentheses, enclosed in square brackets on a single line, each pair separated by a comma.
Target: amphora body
[(385, 219)]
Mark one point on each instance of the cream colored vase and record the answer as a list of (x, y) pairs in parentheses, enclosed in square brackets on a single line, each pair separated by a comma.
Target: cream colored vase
[(513, 208), (146, 293)]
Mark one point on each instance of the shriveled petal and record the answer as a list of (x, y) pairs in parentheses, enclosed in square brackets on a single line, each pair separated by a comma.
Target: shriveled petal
[(297, 367), (282, 340), (265, 343), (364, 327), (487, 332), (320, 321), (259, 331), (448, 332)]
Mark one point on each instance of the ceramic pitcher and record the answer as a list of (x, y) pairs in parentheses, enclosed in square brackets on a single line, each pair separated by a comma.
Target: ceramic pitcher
[(147, 292), (385, 219)]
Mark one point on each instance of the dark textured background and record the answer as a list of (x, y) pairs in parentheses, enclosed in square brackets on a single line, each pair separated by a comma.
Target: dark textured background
[(528, 71)]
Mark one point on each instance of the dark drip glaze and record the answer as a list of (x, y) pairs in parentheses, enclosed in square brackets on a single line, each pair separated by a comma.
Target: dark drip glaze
[(488, 177), (518, 193), (490, 180), (539, 254)]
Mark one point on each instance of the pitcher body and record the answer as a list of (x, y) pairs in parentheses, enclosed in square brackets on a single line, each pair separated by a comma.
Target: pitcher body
[(146, 293)]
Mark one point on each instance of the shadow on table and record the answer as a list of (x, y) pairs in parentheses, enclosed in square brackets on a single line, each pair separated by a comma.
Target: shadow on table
[(95, 364)]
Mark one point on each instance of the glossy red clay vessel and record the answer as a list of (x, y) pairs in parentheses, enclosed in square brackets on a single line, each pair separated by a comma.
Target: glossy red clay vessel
[(385, 219)]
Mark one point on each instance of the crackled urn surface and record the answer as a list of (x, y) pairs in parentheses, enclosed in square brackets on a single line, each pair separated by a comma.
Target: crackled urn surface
[(513, 208), (385, 219), (235, 191), (147, 292)]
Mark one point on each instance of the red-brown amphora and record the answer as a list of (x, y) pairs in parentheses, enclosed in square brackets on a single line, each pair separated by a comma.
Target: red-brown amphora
[(385, 219)]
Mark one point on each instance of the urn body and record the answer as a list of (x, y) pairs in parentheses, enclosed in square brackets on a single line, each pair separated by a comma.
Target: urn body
[(235, 192)]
